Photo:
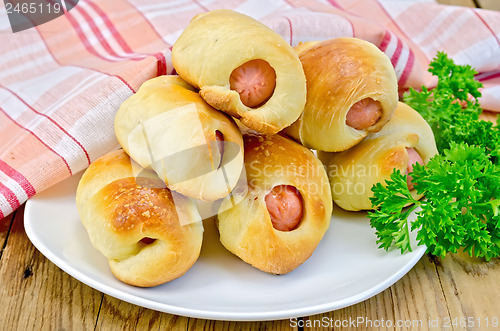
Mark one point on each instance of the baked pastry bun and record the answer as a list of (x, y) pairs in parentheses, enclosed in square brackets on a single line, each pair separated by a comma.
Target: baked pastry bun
[(242, 68), (352, 90), (147, 239), (286, 210), (405, 140), (195, 149)]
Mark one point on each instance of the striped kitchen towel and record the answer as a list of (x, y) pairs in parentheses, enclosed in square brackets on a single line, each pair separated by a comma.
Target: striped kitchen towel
[(62, 82)]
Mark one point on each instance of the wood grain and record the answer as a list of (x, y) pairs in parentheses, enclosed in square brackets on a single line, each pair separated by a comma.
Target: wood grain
[(489, 116), (484, 4), (409, 301), (433, 293), (120, 315), (471, 287), (464, 3), (201, 324), (35, 294), (489, 4), (5, 224)]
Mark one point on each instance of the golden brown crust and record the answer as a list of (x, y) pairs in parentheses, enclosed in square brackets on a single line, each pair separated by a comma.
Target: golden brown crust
[(352, 173), (303, 46), (118, 213), (216, 43), (167, 126), (340, 72), (246, 229)]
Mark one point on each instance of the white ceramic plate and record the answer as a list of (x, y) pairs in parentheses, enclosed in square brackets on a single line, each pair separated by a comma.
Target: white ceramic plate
[(346, 268)]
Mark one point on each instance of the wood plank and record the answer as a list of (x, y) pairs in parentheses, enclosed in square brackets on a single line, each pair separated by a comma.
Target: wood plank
[(350, 318), (465, 3), (413, 301), (119, 315), (209, 325), (35, 294), (5, 224), (489, 116), (436, 293), (485, 4), (471, 289), (489, 4)]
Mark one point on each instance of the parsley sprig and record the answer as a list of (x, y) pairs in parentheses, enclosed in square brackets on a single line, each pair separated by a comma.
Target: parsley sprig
[(461, 184), (461, 209)]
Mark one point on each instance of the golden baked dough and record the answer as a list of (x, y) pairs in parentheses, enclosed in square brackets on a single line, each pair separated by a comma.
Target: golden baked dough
[(216, 43), (167, 126), (137, 227), (340, 73), (352, 173), (247, 230)]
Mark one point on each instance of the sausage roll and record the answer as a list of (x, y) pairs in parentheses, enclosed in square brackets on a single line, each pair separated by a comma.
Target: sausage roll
[(405, 140), (286, 209), (195, 149), (147, 239), (243, 68), (351, 91)]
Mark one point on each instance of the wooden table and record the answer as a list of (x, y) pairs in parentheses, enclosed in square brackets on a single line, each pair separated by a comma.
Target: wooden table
[(35, 294)]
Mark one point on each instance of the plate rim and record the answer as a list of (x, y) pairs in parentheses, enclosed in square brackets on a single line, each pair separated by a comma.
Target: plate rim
[(282, 314)]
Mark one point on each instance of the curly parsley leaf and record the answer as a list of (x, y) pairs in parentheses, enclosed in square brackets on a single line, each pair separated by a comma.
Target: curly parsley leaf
[(390, 220), (461, 210), (455, 80), (461, 184), (452, 108), (462, 188)]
